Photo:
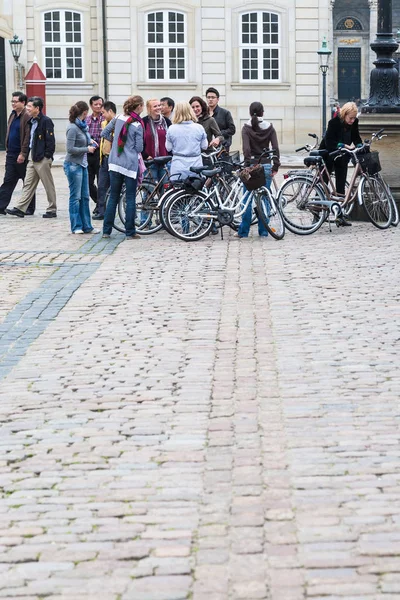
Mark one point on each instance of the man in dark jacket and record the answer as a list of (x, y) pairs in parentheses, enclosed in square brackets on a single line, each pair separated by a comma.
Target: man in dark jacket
[(222, 116), (42, 145), (17, 148)]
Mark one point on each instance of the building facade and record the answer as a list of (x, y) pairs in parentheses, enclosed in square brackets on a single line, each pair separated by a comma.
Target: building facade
[(252, 50)]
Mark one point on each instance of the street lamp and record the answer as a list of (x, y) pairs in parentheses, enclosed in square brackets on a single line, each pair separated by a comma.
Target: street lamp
[(324, 54), (16, 47)]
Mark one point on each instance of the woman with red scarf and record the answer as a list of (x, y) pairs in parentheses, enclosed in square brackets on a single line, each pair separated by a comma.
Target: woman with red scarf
[(123, 163)]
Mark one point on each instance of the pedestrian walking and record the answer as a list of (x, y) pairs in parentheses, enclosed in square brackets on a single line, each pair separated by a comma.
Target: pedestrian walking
[(222, 116), (185, 139), (17, 150), (94, 122), (42, 145), (258, 134), (79, 144), (200, 109), (109, 112), (123, 163)]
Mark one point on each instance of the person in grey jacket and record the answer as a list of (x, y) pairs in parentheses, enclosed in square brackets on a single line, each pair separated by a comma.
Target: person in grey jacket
[(123, 163), (79, 144)]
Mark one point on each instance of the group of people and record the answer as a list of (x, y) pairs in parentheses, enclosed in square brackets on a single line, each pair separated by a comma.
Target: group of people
[(109, 149)]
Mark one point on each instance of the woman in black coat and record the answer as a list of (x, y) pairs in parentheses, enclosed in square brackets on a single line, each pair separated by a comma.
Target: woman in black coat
[(342, 129)]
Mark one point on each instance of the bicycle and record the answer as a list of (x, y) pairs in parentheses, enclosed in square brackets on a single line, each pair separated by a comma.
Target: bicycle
[(307, 199), (190, 215)]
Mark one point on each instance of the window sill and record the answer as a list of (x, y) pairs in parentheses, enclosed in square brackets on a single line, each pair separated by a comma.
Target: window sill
[(167, 85), (261, 85), (57, 86)]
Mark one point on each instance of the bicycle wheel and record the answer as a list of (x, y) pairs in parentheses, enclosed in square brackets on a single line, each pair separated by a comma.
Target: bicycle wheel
[(376, 202), (187, 216), (146, 221), (269, 213), (163, 206), (295, 202), (149, 218), (396, 215)]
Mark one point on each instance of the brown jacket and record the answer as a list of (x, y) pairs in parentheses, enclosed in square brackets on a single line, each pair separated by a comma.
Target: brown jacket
[(254, 143), (25, 131)]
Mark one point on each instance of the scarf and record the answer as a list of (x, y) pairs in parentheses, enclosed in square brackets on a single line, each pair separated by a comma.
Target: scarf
[(123, 134), (154, 123), (82, 125)]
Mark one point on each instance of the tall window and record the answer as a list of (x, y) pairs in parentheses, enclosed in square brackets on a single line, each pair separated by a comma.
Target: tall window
[(63, 44), (166, 46), (259, 41)]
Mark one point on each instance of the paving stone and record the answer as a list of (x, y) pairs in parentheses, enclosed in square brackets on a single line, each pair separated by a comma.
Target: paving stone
[(214, 419)]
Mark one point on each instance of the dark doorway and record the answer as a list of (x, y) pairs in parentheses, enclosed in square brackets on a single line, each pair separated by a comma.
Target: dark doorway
[(349, 74), (3, 101)]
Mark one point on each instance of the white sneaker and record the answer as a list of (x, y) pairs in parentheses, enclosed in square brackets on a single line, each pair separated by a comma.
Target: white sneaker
[(78, 231), (93, 231)]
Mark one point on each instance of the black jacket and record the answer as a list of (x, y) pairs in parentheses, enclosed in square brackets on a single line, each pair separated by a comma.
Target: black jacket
[(337, 132), (44, 143), (225, 123)]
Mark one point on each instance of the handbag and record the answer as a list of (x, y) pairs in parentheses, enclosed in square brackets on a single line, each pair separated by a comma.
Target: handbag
[(141, 168), (253, 177)]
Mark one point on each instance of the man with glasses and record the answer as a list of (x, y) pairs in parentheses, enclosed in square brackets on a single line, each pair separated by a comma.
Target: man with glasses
[(17, 150), (94, 122), (222, 116)]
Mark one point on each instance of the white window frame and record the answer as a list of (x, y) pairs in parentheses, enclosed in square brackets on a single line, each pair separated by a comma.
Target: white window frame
[(63, 45), (164, 49), (258, 47)]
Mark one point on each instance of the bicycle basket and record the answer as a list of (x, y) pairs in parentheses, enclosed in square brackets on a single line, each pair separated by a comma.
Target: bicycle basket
[(370, 163), (253, 177)]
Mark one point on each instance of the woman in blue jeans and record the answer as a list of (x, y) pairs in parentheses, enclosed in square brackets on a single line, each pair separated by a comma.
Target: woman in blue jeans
[(79, 143), (123, 164), (257, 135)]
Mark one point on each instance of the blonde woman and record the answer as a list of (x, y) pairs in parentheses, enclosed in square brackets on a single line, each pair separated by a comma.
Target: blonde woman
[(342, 130), (185, 139)]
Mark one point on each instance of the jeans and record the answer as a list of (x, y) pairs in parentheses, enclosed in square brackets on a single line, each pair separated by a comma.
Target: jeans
[(244, 227), (14, 171), (155, 173), (93, 172), (104, 184), (78, 182), (116, 181)]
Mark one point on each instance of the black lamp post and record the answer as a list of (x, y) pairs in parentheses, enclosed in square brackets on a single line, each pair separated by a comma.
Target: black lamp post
[(384, 81), (16, 47), (324, 54)]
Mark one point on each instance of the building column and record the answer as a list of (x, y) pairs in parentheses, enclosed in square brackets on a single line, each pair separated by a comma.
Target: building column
[(373, 27)]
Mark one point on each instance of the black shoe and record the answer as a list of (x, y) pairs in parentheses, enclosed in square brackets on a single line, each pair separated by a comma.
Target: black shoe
[(98, 217), (30, 213), (49, 215), (15, 212), (341, 222), (2, 212)]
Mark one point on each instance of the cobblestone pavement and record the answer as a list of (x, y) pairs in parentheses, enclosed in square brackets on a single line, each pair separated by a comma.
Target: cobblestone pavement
[(215, 421)]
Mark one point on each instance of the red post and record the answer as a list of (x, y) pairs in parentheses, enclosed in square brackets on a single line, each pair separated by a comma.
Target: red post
[(36, 83)]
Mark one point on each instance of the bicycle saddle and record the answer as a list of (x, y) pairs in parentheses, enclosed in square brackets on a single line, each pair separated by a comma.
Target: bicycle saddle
[(211, 172), (161, 160), (322, 153), (198, 170), (310, 161)]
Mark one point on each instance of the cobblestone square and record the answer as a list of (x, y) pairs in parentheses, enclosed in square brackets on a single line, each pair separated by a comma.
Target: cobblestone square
[(207, 421)]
